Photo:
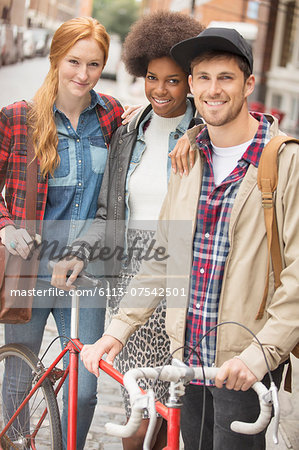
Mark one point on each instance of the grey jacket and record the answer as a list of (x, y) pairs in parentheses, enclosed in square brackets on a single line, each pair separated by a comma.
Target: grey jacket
[(106, 234)]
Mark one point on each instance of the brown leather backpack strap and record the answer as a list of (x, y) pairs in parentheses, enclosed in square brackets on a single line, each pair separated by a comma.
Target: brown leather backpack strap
[(267, 182), (31, 185)]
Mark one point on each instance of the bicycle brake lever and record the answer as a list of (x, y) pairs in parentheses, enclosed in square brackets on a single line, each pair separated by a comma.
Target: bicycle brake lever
[(152, 419), (274, 395), (83, 280), (87, 280)]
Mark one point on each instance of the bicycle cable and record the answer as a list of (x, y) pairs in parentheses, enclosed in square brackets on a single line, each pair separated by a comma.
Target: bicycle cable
[(55, 339), (193, 350)]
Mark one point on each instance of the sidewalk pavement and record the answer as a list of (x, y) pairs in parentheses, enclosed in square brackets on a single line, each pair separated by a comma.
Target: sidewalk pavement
[(110, 409)]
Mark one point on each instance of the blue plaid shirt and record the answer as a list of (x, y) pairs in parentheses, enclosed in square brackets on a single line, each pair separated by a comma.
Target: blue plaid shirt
[(211, 243)]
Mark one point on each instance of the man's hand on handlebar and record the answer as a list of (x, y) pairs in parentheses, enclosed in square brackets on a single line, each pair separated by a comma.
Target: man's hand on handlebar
[(236, 375), (61, 269), (91, 354)]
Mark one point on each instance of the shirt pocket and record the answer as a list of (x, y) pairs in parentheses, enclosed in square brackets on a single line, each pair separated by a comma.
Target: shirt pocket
[(63, 169), (98, 153)]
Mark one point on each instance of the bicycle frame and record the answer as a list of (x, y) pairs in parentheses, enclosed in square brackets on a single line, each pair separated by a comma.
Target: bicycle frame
[(170, 412), (74, 346)]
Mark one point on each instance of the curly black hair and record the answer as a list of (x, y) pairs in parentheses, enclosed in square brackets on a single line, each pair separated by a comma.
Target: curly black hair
[(152, 37)]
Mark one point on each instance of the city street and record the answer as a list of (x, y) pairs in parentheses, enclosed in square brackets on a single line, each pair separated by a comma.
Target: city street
[(20, 81)]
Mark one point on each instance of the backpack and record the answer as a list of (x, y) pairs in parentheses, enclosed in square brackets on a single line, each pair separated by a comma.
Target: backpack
[(267, 182)]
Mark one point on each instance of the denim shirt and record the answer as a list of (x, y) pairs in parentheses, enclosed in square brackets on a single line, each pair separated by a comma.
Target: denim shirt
[(140, 147), (74, 189)]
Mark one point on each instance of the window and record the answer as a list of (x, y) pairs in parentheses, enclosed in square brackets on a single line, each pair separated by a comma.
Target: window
[(253, 9), (288, 33), (294, 117), (276, 101)]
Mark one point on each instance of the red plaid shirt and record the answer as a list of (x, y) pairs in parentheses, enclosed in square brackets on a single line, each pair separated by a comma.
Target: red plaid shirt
[(13, 136), (211, 244)]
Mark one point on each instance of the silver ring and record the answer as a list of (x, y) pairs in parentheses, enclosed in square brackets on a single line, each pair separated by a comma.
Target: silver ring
[(13, 244)]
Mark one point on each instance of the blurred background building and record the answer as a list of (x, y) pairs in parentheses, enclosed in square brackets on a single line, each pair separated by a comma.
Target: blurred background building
[(271, 26), (26, 26)]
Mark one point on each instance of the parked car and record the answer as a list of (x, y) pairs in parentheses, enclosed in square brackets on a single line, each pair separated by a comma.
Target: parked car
[(42, 38), (29, 44), (18, 42), (111, 68), (9, 49), (1, 46)]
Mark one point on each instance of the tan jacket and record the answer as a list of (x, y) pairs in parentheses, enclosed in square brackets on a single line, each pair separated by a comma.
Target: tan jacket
[(245, 269)]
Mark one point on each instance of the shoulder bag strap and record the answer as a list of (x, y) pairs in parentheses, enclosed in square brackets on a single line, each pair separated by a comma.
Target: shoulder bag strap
[(267, 178), (31, 185)]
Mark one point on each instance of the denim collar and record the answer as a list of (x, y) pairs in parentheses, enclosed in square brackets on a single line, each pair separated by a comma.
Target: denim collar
[(182, 126), (95, 99)]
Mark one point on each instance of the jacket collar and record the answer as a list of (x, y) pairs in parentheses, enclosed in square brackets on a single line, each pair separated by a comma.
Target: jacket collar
[(136, 121)]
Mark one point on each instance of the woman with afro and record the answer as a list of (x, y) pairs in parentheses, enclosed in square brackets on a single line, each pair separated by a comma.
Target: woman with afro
[(135, 184)]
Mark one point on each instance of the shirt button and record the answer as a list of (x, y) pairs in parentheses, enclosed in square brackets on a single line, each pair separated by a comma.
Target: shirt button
[(69, 127), (77, 205), (202, 270), (119, 198), (120, 169), (79, 161), (79, 184), (207, 235), (78, 140), (176, 136), (197, 305), (120, 141)]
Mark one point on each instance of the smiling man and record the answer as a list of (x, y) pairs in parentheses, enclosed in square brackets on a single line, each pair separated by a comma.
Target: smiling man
[(226, 253)]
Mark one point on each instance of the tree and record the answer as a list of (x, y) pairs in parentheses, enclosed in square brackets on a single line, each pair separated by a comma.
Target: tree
[(116, 15)]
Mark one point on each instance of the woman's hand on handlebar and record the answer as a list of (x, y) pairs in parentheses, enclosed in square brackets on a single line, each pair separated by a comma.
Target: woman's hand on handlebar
[(61, 269), (91, 354), (236, 375)]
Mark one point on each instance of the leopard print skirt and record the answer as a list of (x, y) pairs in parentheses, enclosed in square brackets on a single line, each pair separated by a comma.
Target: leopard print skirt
[(149, 345)]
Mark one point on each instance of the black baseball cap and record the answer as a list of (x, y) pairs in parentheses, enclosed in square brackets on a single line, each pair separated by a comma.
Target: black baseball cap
[(218, 39)]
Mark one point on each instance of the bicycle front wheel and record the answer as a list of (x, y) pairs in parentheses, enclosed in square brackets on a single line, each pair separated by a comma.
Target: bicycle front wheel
[(37, 425)]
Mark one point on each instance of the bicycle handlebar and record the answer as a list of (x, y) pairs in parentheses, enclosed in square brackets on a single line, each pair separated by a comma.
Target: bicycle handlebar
[(186, 374), (84, 279)]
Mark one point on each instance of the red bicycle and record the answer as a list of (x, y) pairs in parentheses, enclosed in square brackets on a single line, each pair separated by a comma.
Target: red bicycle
[(178, 374), (29, 416)]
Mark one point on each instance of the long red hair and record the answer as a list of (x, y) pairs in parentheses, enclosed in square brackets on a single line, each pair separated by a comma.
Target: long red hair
[(40, 116)]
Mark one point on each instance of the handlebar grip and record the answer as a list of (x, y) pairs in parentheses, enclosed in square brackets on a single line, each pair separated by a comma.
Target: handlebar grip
[(124, 431), (264, 417)]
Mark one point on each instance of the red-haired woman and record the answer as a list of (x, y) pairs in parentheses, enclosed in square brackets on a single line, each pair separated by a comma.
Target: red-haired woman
[(72, 126)]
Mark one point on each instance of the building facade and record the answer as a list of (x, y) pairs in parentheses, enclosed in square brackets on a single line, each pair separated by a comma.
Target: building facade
[(282, 90), (42, 13), (208, 10), (272, 27)]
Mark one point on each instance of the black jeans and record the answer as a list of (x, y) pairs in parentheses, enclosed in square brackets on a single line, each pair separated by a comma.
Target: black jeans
[(223, 406)]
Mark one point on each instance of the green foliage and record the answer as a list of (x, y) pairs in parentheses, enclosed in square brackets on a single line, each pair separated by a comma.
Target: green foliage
[(116, 15)]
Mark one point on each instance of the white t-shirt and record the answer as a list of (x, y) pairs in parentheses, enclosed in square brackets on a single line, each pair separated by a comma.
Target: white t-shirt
[(148, 183), (225, 160)]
